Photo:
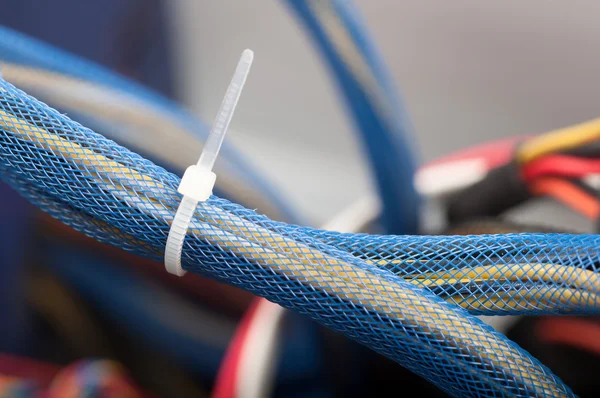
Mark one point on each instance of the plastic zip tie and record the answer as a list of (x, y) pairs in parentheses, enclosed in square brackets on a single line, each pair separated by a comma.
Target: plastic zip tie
[(198, 180)]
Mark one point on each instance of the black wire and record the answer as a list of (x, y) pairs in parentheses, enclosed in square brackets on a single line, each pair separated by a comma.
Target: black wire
[(589, 150), (502, 189)]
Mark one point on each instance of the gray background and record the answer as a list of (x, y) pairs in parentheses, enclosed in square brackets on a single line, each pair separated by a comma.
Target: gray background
[(469, 71)]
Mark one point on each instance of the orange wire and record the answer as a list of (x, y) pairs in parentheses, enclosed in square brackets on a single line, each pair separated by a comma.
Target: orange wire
[(568, 194)]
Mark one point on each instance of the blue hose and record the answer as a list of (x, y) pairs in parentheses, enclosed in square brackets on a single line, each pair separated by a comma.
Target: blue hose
[(343, 281)]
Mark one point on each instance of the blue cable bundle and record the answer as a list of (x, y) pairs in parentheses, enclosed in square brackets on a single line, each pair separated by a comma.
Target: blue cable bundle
[(374, 289), (410, 298)]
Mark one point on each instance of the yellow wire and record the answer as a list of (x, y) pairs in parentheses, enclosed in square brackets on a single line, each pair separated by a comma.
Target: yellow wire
[(558, 140), (304, 264)]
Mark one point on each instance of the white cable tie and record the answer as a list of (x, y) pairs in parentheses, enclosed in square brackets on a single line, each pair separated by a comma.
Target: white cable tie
[(198, 180)]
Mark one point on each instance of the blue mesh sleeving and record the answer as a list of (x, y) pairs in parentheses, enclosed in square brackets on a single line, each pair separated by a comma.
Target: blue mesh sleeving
[(399, 295)]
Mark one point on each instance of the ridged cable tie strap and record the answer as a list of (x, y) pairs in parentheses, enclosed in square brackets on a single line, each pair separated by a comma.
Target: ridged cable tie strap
[(198, 180)]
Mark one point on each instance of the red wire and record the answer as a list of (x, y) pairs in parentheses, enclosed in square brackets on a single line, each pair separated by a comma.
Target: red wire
[(560, 165), (24, 368), (578, 333), (225, 384), (494, 154)]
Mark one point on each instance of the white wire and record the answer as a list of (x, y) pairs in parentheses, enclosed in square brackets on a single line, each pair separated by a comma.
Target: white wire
[(446, 177), (592, 180), (258, 354)]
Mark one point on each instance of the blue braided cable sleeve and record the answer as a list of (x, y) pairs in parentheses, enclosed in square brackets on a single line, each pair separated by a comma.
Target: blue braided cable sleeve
[(21, 49), (369, 95), (124, 194), (397, 254), (111, 130), (127, 301)]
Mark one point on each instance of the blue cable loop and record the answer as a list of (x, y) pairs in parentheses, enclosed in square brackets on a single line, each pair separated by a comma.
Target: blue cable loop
[(382, 124)]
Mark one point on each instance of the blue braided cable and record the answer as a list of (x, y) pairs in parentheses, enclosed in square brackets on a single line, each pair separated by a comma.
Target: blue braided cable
[(370, 97), (363, 286)]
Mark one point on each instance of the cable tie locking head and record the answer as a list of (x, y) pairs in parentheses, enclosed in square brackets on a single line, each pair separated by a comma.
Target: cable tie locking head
[(198, 180)]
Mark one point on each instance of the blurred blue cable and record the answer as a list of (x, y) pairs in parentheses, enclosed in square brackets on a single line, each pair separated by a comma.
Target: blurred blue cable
[(370, 97), (127, 36)]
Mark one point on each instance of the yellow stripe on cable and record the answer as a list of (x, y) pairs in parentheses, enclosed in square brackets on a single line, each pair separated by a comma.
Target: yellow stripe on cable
[(306, 265), (576, 277)]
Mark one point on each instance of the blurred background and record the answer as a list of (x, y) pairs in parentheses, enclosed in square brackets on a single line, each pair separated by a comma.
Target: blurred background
[(468, 73)]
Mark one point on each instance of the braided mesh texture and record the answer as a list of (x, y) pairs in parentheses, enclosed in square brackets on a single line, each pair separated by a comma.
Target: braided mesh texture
[(410, 298)]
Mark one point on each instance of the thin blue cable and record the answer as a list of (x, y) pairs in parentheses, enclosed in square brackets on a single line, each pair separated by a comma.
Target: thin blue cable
[(382, 123)]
